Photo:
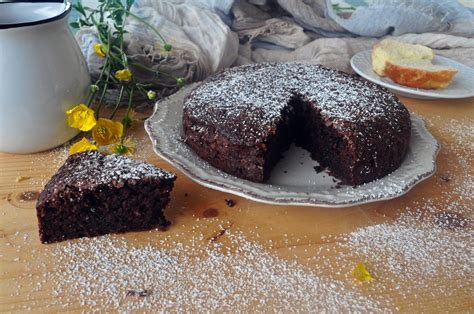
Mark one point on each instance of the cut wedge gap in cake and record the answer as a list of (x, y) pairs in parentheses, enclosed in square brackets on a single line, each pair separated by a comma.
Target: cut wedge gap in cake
[(306, 126)]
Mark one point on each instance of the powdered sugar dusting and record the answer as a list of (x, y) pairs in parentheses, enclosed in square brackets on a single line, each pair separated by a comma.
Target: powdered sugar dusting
[(92, 168), (251, 98), (199, 276), (414, 255)]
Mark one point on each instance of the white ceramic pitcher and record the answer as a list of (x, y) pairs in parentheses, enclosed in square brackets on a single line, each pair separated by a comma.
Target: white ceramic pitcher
[(42, 74)]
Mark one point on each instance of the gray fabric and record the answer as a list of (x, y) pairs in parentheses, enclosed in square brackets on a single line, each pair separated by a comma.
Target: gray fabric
[(397, 17), (209, 35), (336, 52), (202, 42)]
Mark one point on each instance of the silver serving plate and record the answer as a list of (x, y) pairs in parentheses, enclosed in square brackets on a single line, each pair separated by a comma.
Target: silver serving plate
[(294, 181)]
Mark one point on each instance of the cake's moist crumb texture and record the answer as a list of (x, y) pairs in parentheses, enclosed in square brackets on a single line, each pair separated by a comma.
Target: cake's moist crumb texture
[(242, 119), (94, 194)]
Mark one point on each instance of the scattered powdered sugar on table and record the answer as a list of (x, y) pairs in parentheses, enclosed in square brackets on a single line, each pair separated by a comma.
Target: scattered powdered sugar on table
[(240, 275), (53, 158), (424, 249), (433, 237), (430, 244), (411, 248)]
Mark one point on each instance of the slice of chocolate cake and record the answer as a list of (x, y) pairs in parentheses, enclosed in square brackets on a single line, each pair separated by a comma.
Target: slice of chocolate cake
[(94, 194)]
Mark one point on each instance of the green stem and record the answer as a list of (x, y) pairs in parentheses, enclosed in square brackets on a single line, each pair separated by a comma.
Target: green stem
[(147, 24), (122, 54), (138, 65), (92, 96), (90, 99), (129, 108), (142, 90), (123, 58), (118, 103), (102, 95)]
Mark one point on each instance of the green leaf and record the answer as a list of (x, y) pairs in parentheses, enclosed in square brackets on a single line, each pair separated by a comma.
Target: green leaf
[(84, 23), (79, 8), (74, 24)]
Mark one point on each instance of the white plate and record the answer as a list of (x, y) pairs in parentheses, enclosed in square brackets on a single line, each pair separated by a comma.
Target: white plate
[(294, 181), (462, 85)]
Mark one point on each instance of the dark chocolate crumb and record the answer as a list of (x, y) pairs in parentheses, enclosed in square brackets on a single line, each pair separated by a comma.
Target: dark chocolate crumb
[(138, 292), (230, 202), (319, 169), (445, 178), (219, 233), (28, 196), (185, 194)]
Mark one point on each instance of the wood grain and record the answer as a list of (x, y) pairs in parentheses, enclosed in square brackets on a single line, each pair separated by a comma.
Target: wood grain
[(292, 229)]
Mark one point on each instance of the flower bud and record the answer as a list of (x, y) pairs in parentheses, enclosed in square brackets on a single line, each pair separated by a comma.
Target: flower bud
[(94, 88), (180, 81), (151, 95)]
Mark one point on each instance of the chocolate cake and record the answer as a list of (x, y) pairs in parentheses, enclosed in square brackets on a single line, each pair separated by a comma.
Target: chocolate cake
[(94, 194), (242, 119)]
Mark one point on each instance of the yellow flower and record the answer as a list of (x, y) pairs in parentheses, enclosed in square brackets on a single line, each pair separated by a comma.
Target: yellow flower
[(82, 146), (125, 148), (107, 132), (123, 75), (80, 117), (99, 49), (361, 274)]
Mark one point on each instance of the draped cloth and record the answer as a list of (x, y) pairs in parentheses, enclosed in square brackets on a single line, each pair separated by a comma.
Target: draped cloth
[(210, 35)]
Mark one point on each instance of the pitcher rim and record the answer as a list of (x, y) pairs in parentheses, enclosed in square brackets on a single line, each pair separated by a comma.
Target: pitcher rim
[(65, 11)]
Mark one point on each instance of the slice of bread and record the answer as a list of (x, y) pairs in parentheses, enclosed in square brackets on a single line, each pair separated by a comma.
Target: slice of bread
[(419, 74), (410, 65), (392, 50)]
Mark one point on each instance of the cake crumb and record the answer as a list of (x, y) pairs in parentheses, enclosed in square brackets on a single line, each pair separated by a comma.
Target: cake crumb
[(138, 292), (445, 178), (219, 233), (230, 202)]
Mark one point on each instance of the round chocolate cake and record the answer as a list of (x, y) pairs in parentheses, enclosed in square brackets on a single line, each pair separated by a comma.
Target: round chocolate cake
[(243, 119)]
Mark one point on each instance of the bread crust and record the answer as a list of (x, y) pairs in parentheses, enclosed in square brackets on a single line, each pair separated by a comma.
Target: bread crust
[(417, 77)]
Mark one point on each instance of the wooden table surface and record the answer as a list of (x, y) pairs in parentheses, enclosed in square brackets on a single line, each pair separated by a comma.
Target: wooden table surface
[(292, 230)]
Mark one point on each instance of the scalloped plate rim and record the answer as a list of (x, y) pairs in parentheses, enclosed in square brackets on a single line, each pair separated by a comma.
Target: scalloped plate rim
[(296, 200)]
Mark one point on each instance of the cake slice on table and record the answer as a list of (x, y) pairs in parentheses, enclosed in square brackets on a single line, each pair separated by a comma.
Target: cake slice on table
[(94, 194), (410, 65)]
